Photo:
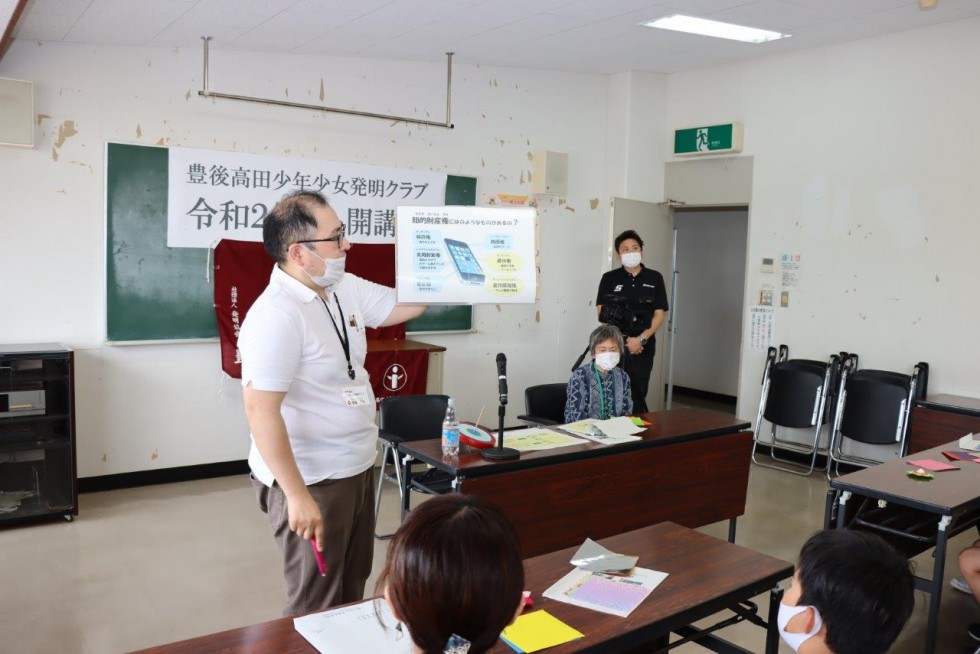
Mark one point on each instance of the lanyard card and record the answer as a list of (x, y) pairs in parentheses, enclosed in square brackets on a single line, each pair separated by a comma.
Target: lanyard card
[(356, 396)]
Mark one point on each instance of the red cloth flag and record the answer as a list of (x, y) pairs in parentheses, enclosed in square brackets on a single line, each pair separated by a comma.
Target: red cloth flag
[(397, 372)]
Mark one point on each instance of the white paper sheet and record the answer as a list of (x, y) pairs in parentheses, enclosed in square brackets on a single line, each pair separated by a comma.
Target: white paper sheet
[(355, 629), (618, 427), (970, 442), (588, 429), (594, 557)]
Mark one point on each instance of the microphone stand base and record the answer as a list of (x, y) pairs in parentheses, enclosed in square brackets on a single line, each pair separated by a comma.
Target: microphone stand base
[(500, 454)]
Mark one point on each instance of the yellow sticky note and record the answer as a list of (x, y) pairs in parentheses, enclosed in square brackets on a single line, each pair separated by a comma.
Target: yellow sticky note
[(539, 630)]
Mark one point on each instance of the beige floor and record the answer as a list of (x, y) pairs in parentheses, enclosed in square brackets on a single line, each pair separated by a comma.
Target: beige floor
[(153, 565)]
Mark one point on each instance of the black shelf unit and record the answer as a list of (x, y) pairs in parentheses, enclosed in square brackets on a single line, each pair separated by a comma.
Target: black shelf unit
[(38, 469)]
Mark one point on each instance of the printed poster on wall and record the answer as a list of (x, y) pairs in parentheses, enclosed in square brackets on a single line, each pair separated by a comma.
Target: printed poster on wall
[(465, 255), (789, 268), (213, 195), (760, 328)]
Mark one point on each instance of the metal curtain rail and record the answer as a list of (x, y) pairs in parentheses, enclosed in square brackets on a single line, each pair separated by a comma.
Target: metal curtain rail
[(205, 92)]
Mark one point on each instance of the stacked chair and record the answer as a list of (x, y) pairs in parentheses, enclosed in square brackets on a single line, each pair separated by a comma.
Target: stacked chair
[(873, 408), (796, 394)]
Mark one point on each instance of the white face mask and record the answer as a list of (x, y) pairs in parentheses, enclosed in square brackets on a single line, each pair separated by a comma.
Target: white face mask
[(332, 273), (631, 259), (787, 613), (607, 360)]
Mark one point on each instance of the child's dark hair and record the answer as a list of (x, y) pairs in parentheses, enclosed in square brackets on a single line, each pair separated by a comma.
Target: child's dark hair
[(625, 236), (454, 566), (862, 587)]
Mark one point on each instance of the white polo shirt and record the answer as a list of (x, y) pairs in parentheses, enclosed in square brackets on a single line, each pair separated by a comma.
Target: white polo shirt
[(288, 344)]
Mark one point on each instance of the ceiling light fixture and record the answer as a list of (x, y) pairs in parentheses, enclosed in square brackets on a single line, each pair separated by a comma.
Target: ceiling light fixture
[(717, 29), (928, 4)]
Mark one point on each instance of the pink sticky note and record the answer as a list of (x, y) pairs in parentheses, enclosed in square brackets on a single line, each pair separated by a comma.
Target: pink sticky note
[(930, 464)]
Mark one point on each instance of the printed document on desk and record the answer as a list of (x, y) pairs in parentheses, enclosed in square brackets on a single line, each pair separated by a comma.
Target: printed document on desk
[(607, 432), (535, 438), (355, 629), (606, 593)]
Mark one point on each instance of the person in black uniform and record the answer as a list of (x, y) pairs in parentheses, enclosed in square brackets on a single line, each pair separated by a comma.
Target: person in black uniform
[(644, 291)]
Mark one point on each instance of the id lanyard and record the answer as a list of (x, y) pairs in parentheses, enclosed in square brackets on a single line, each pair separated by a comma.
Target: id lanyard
[(603, 412), (344, 340)]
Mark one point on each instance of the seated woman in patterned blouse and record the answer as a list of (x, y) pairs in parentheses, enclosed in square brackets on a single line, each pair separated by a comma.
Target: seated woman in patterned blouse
[(600, 390)]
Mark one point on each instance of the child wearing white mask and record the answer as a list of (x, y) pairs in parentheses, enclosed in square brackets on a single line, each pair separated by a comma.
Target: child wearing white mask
[(600, 389), (852, 594)]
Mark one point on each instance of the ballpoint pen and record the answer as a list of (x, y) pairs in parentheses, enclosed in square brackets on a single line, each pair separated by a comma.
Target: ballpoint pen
[(320, 563)]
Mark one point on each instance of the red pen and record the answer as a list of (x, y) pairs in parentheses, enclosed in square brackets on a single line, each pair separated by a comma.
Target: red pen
[(320, 563)]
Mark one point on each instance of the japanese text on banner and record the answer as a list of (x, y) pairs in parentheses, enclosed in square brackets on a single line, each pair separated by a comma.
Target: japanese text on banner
[(213, 195)]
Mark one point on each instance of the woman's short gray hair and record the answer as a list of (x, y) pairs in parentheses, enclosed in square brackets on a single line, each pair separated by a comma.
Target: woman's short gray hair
[(604, 333)]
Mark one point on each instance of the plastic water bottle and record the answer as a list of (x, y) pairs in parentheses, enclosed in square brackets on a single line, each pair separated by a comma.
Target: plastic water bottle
[(450, 431)]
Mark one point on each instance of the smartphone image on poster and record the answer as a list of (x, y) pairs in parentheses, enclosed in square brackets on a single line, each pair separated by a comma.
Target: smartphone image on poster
[(467, 267)]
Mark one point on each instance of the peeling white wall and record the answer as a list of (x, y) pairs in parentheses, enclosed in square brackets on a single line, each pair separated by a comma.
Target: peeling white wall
[(160, 406), (867, 160)]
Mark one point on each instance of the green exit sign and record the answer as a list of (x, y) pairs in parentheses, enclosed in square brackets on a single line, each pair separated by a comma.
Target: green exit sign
[(713, 139)]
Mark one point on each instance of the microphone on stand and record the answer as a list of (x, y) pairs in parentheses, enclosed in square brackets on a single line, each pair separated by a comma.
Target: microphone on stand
[(502, 377), (501, 453)]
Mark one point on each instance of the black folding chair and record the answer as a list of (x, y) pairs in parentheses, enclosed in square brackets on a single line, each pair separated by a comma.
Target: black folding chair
[(796, 394), (873, 408), (545, 404), (407, 418)]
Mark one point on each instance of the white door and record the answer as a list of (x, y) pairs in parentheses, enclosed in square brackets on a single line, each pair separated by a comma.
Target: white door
[(653, 223)]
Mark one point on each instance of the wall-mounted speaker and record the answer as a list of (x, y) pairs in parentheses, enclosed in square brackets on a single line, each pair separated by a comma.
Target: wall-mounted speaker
[(549, 173), (16, 112)]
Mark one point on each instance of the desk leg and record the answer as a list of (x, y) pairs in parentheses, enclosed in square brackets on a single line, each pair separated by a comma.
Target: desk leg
[(406, 484), (842, 509), (936, 586), (731, 529), (828, 511), (772, 628)]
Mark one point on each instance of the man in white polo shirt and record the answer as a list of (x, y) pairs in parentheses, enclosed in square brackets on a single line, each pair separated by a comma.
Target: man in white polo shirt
[(309, 402)]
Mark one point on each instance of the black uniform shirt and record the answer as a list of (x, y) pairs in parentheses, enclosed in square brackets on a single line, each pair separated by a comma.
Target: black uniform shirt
[(646, 288)]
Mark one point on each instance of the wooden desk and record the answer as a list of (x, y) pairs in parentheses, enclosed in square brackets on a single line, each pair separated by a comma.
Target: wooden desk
[(917, 515), (691, 466), (938, 419), (707, 575)]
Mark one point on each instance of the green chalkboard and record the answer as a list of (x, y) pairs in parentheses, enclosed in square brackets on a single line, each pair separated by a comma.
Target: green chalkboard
[(158, 293), (153, 292), (442, 318)]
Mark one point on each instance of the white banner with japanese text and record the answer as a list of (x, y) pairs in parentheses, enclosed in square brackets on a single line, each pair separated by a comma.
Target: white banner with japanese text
[(214, 195), (465, 255)]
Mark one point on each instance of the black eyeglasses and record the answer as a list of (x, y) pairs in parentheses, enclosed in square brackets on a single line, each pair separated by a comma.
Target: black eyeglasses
[(336, 239)]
